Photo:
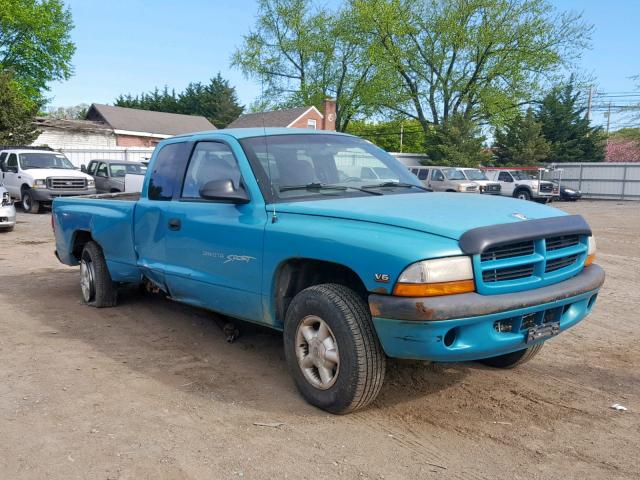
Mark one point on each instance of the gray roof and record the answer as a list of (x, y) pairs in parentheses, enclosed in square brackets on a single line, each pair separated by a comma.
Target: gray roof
[(276, 118), (161, 123)]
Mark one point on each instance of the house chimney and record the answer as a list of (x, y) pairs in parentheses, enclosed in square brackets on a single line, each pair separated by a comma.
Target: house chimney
[(329, 121)]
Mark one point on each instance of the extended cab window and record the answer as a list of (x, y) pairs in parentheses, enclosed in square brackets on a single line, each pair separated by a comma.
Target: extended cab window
[(423, 174), (210, 161), (167, 171)]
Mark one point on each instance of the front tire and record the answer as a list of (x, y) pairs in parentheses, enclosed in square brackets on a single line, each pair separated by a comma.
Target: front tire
[(332, 350), (513, 359), (522, 194), (29, 204), (98, 290)]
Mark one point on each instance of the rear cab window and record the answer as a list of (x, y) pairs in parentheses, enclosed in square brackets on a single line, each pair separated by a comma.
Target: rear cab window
[(168, 170)]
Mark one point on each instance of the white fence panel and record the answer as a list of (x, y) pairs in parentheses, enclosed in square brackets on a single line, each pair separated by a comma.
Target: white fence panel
[(602, 180), (82, 156)]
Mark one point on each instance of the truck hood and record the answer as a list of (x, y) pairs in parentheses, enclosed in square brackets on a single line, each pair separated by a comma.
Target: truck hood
[(42, 173), (445, 214)]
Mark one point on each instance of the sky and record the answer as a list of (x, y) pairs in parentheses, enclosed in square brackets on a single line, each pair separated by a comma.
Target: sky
[(133, 46)]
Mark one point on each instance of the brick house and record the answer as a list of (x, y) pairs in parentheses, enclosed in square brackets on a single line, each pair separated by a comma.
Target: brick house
[(299, 117)]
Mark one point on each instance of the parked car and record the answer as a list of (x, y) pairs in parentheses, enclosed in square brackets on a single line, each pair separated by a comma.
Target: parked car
[(444, 179), (255, 224), (478, 176), (567, 193), (521, 184), (109, 175), (36, 177), (7, 210)]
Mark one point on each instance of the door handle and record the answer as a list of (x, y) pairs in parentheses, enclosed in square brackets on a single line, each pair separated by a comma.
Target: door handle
[(174, 224)]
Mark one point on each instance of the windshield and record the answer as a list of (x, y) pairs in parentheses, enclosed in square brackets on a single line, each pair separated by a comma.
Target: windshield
[(121, 169), (519, 175), (321, 160), (44, 160), (453, 174), (475, 174)]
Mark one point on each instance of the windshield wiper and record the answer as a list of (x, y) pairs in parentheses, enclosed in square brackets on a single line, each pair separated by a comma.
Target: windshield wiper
[(324, 186), (395, 184)]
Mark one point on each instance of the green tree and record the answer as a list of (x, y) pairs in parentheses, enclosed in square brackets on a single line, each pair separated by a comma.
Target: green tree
[(459, 142), (302, 55), (77, 112), (566, 128), (17, 113), (217, 101), (477, 58), (521, 142), (387, 134), (35, 42)]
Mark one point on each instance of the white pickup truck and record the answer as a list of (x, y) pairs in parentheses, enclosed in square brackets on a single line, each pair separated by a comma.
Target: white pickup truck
[(521, 184), (36, 177)]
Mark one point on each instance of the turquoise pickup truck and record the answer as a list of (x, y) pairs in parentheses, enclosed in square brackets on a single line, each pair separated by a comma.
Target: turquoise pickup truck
[(286, 228)]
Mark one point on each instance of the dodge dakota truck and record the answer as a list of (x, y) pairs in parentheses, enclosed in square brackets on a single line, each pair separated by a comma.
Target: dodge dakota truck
[(276, 227)]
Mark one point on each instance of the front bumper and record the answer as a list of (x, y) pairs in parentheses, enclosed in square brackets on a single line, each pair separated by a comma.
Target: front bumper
[(464, 327), (7, 216), (47, 195)]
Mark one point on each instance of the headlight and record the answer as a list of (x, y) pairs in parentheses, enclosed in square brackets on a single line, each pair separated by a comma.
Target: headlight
[(441, 276), (91, 183), (591, 252), (568, 190), (39, 184)]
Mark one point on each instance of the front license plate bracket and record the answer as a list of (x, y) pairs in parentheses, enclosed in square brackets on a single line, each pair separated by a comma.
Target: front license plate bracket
[(540, 332)]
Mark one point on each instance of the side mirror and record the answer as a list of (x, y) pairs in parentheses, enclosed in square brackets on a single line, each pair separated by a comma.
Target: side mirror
[(224, 190), (83, 168)]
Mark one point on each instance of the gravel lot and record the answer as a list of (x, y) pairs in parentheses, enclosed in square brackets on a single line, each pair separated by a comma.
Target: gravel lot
[(151, 390)]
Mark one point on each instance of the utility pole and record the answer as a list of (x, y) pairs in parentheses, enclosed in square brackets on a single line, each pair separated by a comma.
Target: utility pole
[(608, 118), (401, 135), (589, 102)]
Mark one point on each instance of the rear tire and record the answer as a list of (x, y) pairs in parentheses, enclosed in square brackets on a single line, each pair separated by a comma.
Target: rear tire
[(513, 359), (332, 350), (29, 204), (98, 290)]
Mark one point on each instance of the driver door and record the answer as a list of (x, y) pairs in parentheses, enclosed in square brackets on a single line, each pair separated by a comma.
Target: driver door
[(507, 183), (437, 181), (214, 247), (11, 175)]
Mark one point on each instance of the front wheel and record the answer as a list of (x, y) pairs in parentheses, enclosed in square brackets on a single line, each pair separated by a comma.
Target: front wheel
[(513, 359), (523, 194), (98, 290), (332, 350), (29, 204)]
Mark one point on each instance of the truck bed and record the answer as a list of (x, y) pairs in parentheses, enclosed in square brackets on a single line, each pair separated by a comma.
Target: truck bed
[(107, 218)]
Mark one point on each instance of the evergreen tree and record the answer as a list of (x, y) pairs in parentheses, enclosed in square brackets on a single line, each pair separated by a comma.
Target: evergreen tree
[(521, 142), (17, 113), (565, 126), (217, 101), (458, 142)]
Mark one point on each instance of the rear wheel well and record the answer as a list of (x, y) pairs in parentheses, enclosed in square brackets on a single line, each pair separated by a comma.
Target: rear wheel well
[(80, 239), (295, 275)]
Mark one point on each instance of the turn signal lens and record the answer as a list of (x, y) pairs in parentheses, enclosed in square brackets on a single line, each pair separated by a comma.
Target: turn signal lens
[(591, 252), (440, 276), (433, 289)]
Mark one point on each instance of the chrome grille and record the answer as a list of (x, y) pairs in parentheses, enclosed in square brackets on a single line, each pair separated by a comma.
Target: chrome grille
[(508, 251), (60, 183), (546, 187)]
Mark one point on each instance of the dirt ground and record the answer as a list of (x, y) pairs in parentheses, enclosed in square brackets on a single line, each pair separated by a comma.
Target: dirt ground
[(151, 390)]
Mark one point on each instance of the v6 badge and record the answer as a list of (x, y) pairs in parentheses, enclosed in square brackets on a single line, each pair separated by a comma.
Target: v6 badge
[(382, 277)]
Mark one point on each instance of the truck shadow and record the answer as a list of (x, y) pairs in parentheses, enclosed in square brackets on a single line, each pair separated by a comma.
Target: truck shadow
[(185, 347)]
